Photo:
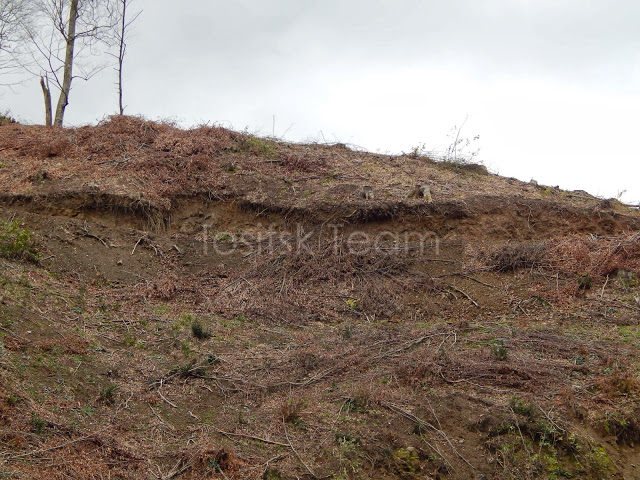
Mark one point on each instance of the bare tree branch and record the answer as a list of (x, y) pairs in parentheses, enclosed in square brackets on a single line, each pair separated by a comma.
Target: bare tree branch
[(67, 39), (121, 35), (14, 15)]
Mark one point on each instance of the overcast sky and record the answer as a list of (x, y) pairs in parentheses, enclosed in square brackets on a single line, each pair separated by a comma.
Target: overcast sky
[(551, 86)]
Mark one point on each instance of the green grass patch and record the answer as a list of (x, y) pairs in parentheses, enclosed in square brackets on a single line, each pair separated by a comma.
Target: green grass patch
[(16, 241)]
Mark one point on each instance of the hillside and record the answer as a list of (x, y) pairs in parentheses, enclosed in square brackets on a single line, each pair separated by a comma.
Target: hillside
[(204, 303)]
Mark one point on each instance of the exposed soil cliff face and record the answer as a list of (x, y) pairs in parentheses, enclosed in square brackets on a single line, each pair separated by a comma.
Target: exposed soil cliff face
[(208, 304)]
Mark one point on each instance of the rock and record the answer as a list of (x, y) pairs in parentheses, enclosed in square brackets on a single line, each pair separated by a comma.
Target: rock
[(627, 278)]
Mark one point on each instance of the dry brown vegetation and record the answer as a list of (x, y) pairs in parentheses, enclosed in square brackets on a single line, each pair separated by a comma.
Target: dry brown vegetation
[(210, 304)]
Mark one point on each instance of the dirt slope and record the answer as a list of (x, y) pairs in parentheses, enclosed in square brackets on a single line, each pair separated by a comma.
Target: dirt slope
[(208, 304)]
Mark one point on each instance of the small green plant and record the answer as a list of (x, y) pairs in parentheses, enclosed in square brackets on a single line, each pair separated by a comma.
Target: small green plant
[(38, 425), (546, 434), (258, 146), (623, 426), (39, 177), (212, 359), (16, 241), (347, 333), (222, 237), (241, 419), (584, 282), (521, 407), (161, 310), (356, 404), (352, 303), (600, 463), (418, 151), (191, 370), (108, 394), (407, 459), (292, 411), (348, 455), (87, 410), (186, 348), (500, 350), (199, 331)]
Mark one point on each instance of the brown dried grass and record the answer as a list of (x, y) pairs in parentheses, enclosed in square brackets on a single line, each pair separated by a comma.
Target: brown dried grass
[(595, 256), (573, 255), (513, 257)]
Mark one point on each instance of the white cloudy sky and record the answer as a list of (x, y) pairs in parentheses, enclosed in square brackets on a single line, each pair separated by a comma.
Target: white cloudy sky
[(551, 86)]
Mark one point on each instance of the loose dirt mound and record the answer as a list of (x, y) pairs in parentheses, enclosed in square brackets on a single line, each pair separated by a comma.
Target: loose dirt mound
[(209, 304)]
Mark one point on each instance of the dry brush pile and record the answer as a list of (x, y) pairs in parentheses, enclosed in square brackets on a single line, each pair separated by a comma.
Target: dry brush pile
[(598, 257)]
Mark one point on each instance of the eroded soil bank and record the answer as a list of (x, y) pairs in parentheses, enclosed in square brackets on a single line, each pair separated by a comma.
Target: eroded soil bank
[(186, 319)]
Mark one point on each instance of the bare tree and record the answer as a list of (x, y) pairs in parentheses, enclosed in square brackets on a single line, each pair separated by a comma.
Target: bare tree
[(121, 34), (14, 14), (65, 37)]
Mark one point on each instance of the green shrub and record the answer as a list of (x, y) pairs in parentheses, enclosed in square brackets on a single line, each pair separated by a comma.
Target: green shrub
[(500, 350), (17, 241), (108, 394), (584, 282), (521, 407), (407, 459), (38, 425), (199, 332), (258, 147)]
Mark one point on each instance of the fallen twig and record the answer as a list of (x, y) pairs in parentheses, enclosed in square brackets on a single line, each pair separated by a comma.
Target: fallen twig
[(57, 447), (250, 437), (409, 344), (284, 423), (160, 418), (91, 235), (604, 286), (138, 242), (465, 294), (165, 399), (85, 233), (464, 380)]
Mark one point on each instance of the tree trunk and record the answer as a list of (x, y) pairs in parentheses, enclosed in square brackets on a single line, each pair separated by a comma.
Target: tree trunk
[(47, 101), (120, 88), (123, 48), (63, 100)]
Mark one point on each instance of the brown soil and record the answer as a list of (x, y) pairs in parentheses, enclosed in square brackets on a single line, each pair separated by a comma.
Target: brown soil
[(209, 304)]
